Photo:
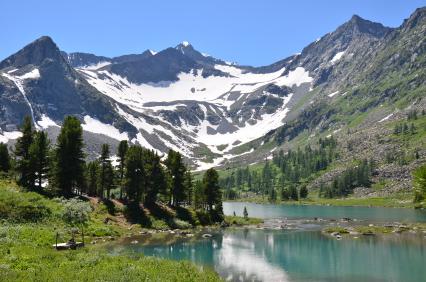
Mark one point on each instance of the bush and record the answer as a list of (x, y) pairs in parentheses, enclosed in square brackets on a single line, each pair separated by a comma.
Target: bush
[(23, 207), (176, 223)]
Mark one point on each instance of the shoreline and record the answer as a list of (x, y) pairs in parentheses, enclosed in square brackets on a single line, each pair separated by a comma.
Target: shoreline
[(375, 202)]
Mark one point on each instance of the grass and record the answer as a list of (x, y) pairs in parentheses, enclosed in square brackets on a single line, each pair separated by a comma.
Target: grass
[(395, 201), (240, 221), (26, 252)]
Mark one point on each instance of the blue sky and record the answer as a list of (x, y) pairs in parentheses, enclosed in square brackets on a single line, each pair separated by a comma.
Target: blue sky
[(248, 32)]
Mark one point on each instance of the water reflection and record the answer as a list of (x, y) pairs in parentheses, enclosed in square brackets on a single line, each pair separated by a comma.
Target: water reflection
[(238, 260), (275, 255), (307, 211)]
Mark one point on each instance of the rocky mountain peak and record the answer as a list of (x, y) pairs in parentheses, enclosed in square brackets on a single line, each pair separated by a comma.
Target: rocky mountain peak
[(416, 19), (34, 53), (358, 25)]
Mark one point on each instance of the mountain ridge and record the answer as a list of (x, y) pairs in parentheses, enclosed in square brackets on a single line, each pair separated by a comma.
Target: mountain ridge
[(183, 99)]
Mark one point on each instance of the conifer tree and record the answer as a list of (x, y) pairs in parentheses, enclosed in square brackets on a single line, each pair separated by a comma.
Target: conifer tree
[(135, 174), (92, 177), (188, 187), (122, 151), (4, 158), (199, 196), (303, 193), (245, 213), (22, 152), (213, 193), (177, 171), (69, 164), (39, 157), (156, 178), (106, 172)]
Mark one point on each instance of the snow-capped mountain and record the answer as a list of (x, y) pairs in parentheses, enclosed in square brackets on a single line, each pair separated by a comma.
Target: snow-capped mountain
[(180, 98)]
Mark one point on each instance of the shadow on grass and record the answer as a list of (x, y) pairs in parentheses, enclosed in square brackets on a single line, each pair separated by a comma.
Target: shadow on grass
[(135, 214)]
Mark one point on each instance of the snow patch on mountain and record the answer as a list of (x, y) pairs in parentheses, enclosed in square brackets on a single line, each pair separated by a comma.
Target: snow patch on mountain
[(333, 94), (5, 136), (337, 57), (386, 118), (34, 74), (96, 66), (95, 126), (46, 122)]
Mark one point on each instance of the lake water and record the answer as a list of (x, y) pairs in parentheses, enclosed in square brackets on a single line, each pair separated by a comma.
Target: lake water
[(329, 212), (302, 254)]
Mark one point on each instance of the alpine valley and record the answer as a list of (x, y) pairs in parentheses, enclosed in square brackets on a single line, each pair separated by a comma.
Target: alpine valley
[(354, 83)]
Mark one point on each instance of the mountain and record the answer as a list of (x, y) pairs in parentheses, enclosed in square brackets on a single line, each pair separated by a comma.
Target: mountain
[(214, 112)]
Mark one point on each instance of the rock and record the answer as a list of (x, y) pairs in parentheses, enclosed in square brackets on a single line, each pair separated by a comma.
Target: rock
[(206, 235), (134, 242)]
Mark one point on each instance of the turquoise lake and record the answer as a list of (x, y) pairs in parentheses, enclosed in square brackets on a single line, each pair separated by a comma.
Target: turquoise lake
[(302, 254)]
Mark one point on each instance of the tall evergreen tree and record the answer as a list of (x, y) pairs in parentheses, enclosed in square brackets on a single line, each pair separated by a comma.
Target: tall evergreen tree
[(106, 172), (22, 153), (92, 178), (199, 195), (212, 191), (188, 187), (69, 164), (4, 158), (122, 151), (177, 169), (39, 157), (135, 174), (303, 193), (156, 178)]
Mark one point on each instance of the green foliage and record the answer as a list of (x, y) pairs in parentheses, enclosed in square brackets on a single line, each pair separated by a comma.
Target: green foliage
[(303, 193), (177, 169), (23, 206), (213, 193), (419, 183), (281, 177), (342, 185), (39, 157), (22, 152), (92, 176), (76, 212), (4, 158), (135, 174), (123, 147), (68, 163), (245, 213), (106, 172)]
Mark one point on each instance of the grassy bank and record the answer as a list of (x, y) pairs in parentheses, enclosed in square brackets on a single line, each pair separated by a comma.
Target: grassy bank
[(28, 227), (395, 201)]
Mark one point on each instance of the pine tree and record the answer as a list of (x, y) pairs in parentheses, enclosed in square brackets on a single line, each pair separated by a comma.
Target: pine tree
[(122, 151), (92, 178), (135, 174), (4, 158), (69, 164), (293, 192), (177, 169), (303, 193), (39, 157), (188, 187), (156, 178), (22, 152), (213, 193), (199, 195), (106, 172), (419, 183)]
